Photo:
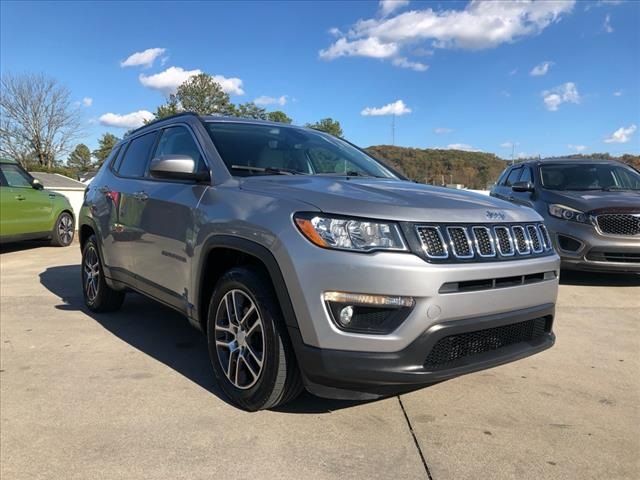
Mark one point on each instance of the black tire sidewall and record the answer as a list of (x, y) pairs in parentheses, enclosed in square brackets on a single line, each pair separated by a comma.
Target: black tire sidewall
[(249, 282), (97, 303)]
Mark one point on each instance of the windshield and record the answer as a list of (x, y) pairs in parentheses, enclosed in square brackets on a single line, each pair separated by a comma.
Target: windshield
[(250, 149), (589, 177)]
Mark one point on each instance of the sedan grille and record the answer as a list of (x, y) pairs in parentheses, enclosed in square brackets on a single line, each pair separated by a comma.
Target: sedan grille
[(619, 224), (483, 242)]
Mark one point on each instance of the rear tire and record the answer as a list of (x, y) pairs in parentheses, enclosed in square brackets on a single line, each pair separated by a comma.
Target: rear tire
[(63, 230), (98, 296), (249, 346)]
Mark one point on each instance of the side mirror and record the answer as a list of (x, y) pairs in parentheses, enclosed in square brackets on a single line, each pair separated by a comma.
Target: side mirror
[(176, 167), (522, 187), (35, 183)]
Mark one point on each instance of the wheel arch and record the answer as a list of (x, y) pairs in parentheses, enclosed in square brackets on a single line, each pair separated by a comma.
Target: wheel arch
[(221, 252)]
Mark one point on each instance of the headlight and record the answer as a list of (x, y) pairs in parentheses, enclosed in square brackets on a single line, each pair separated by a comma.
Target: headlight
[(350, 233), (568, 213)]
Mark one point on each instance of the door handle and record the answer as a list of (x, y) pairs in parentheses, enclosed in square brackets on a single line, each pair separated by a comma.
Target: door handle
[(20, 197), (142, 196)]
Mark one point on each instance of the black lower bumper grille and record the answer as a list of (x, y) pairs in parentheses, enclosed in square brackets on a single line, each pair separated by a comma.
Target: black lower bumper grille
[(449, 350), (618, 257)]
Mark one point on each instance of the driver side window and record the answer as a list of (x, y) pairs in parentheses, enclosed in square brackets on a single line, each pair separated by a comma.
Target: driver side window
[(15, 177)]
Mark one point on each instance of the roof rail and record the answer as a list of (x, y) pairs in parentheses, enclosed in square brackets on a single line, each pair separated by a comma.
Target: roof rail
[(152, 122)]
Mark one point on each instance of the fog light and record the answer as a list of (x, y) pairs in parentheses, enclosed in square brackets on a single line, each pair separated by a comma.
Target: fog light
[(365, 313), (345, 316)]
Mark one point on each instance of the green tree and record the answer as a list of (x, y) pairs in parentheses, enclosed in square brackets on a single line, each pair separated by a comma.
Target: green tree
[(168, 109), (278, 116), (105, 145), (80, 158), (250, 110), (328, 125)]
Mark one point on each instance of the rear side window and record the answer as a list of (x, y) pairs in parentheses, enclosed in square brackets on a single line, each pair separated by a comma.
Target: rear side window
[(134, 161), (513, 176)]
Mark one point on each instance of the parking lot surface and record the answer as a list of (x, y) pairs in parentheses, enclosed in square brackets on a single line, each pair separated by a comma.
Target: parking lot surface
[(131, 395)]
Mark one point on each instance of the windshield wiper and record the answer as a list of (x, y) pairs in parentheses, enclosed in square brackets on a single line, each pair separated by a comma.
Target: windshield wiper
[(269, 170), (618, 189)]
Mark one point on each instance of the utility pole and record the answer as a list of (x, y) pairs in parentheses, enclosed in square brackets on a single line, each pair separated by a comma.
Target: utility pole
[(513, 146), (393, 129)]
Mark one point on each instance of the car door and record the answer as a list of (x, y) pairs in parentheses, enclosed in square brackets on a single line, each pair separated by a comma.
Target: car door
[(123, 188), (26, 211), (167, 222)]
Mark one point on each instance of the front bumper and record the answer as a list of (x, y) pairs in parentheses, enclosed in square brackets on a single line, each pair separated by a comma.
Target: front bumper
[(597, 252), (362, 375)]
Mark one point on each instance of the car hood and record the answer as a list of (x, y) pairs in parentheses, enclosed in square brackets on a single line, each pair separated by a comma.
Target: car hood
[(596, 201), (390, 199)]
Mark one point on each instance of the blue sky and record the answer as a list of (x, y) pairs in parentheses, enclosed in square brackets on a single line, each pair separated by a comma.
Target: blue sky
[(457, 74)]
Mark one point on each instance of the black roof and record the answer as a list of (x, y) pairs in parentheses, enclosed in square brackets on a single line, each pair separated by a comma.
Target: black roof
[(565, 160)]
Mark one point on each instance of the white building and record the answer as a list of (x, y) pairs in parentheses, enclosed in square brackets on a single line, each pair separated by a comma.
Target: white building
[(70, 188)]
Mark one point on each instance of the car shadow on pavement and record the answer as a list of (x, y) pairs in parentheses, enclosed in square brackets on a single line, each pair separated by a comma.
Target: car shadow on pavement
[(597, 279), (164, 335), (24, 245)]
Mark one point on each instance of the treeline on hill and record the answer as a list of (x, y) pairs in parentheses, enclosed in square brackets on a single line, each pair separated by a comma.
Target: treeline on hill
[(472, 169), (476, 170)]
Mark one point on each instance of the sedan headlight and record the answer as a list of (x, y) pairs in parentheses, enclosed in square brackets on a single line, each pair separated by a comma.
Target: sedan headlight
[(350, 233), (568, 213)]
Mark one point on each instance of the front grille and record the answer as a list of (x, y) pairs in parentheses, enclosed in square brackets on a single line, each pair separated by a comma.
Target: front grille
[(455, 348), (617, 257), (482, 242), (619, 224)]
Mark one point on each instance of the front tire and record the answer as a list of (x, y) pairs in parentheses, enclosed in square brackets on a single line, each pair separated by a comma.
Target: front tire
[(98, 296), (63, 230), (249, 347)]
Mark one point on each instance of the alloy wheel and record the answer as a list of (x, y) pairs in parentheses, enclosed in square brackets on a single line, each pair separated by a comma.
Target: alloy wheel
[(65, 229), (91, 270), (239, 337)]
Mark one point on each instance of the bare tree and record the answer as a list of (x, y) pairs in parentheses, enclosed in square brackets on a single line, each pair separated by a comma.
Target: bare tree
[(38, 121)]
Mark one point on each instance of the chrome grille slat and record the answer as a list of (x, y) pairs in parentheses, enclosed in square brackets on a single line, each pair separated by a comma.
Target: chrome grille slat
[(483, 242), (460, 242), (504, 241), (433, 242), (521, 240), (534, 237)]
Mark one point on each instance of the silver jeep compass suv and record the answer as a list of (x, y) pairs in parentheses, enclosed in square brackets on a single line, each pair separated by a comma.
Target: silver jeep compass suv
[(310, 264)]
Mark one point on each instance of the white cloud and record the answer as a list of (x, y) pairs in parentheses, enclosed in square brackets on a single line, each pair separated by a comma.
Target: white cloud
[(622, 135), (565, 93), (366, 47), (617, 93), (540, 69), (87, 101), (170, 79), (607, 24), (396, 108), (442, 130), (461, 146), (128, 120), (480, 25), (390, 6), (577, 148), (230, 85), (513, 72), (403, 62), (509, 144), (265, 100), (143, 59)]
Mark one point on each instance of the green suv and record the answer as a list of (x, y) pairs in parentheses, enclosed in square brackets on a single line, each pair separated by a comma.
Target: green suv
[(28, 211)]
